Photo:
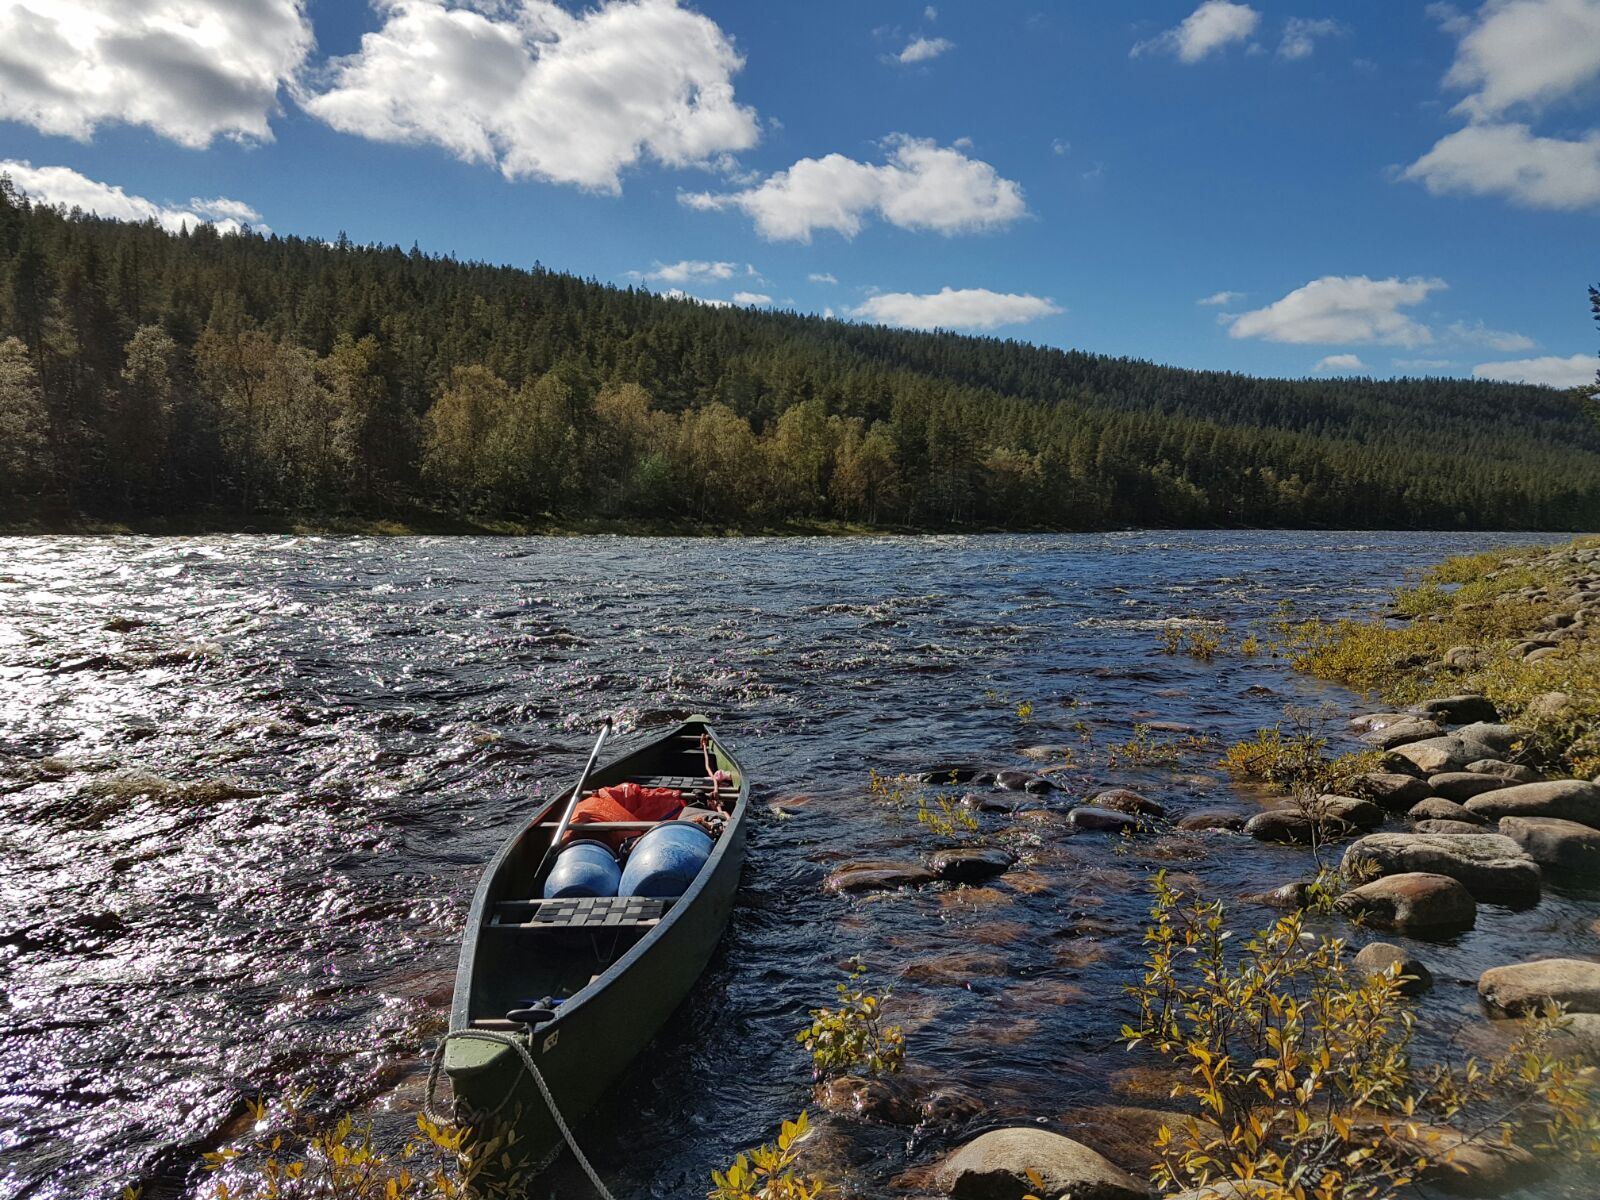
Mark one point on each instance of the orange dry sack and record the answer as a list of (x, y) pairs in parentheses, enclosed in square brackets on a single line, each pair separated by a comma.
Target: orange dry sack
[(623, 802)]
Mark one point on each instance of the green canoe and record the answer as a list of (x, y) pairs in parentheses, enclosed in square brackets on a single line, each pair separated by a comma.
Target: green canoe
[(612, 971)]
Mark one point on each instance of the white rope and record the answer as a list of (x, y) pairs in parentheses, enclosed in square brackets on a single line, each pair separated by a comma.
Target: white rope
[(517, 1044)]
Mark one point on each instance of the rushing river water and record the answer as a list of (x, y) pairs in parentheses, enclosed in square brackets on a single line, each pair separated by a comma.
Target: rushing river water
[(247, 783)]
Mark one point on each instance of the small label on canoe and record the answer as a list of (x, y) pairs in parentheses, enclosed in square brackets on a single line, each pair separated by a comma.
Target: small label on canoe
[(550, 1042)]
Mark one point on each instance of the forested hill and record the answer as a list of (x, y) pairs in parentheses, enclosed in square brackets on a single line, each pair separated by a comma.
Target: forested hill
[(145, 373)]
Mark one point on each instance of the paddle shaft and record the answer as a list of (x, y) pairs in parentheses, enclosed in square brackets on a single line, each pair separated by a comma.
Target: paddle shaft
[(572, 804)]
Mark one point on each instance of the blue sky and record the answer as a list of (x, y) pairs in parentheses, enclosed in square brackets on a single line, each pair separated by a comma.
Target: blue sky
[(1312, 188)]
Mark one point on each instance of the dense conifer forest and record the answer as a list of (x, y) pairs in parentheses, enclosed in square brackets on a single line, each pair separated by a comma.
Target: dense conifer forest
[(145, 374)]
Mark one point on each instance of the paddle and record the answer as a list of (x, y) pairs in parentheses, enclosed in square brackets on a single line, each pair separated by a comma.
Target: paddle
[(577, 794)]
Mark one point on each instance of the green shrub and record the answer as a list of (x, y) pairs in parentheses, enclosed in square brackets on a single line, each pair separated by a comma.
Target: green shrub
[(852, 1039)]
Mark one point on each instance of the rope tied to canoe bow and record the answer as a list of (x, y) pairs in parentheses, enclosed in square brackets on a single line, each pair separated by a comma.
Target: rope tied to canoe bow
[(521, 1047)]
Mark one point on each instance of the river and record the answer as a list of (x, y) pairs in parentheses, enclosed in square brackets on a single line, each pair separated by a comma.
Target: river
[(247, 783)]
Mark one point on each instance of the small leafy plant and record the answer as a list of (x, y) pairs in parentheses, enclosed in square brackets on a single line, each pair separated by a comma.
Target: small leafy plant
[(945, 817), (852, 1039), (770, 1172)]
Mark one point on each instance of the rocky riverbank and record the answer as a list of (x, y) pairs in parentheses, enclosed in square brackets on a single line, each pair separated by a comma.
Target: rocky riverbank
[(1475, 795)]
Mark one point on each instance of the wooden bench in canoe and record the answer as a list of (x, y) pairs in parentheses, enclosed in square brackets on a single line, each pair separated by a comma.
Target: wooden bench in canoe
[(611, 969)]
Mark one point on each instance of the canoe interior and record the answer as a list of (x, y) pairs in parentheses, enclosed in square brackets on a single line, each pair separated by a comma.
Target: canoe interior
[(514, 968)]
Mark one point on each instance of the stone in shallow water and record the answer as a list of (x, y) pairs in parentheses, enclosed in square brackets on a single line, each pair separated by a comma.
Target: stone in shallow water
[(995, 1166), (1490, 866), (877, 876), (1129, 1136), (1565, 799), (1124, 800), (1412, 902), (1291, 827), (1213, 818), (969, 866), (1525, 988), (1557, 844), (1378, 957), (1102, 820)]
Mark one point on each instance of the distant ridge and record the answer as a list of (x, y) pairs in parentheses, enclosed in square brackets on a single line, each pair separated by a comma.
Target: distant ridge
[(171, 374)]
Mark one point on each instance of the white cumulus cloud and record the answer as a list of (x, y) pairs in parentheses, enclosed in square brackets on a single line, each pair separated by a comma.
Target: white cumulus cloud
[(543, 92), (953, 308), (691, 270), (752, 298), (1340, 362), (1217, 299), (680, 294), (922, 186), (1300, 35), (922, 49), (1351, 309), (1525, 53), (62, 185), (1551, 370), (1209, 28), (1479, 334), (1510, 161), (189, 71), (821, 277)]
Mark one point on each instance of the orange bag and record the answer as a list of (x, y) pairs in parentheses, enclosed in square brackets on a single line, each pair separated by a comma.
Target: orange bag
[(623, 802)]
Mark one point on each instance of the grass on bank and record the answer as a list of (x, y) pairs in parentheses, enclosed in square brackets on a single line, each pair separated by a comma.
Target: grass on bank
[(1461, 628)]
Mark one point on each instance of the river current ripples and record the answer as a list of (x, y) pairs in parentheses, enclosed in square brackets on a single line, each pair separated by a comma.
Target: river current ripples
[(247, 784)]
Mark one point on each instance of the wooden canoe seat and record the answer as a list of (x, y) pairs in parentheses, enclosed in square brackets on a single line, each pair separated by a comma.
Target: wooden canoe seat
[(579, 912)]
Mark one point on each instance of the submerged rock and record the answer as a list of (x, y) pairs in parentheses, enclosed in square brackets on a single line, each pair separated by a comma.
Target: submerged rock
[(995, 1166), (870, 1099), (1566, 799), (1378, 957), (877, 876), (1412, 902), (1524, 989), (1557, 844), (1490, 866), (1352, 810), (1128, 1136)]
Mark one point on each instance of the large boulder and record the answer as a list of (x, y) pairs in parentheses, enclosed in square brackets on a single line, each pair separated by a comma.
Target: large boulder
[(1557, 844), (877, 877), (1490, 866), (995, 1166), (1433, 755), (1412, 902), (1378, 957), (1352, 810), (1412, 729), (1502, 738), (1448, 825), (1391, 790), (1462, 786), (1565, 799), (1524, 989), (969, 866), (1515, 772), (1457, 709), (1436, 808)]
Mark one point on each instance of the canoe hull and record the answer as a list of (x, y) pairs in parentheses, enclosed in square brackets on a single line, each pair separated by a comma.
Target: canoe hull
[(598, 1033)]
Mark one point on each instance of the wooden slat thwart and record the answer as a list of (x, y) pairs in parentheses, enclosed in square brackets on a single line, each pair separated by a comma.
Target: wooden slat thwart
[(579, 912)]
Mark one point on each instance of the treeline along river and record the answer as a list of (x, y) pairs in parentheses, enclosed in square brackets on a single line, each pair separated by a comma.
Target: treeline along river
[(247, 783)]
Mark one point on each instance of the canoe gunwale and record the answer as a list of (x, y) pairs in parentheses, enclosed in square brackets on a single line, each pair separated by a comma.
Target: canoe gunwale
[(485, 897)]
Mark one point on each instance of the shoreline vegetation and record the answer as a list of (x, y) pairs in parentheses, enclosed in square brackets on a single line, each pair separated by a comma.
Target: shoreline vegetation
[(149, 377), (1287, 1064)]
